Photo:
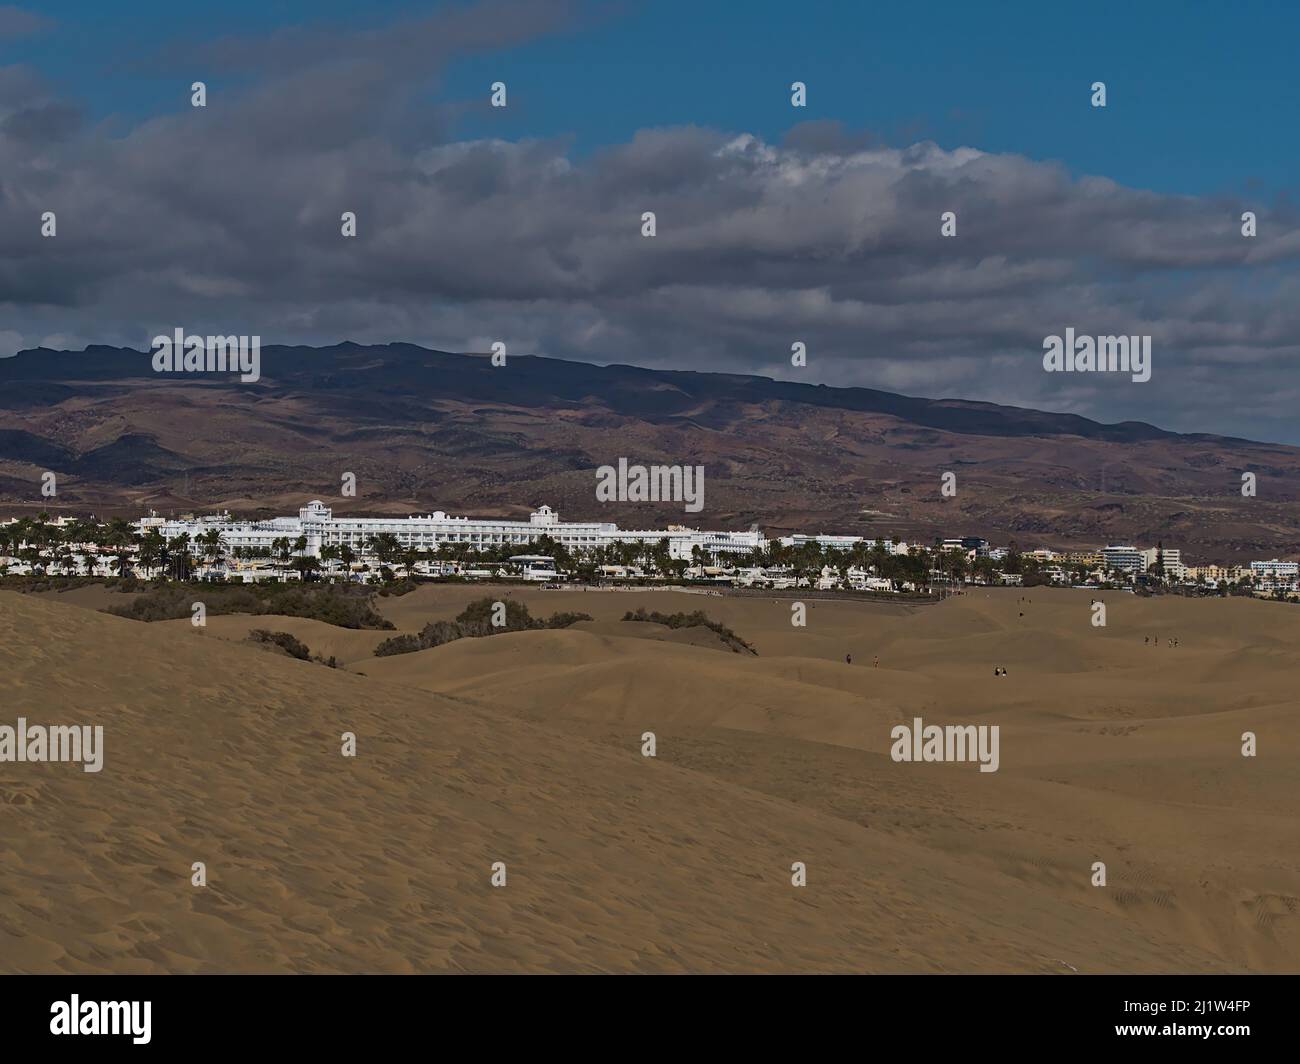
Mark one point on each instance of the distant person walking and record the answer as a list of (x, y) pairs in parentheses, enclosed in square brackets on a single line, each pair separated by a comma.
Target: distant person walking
[(848, 659)]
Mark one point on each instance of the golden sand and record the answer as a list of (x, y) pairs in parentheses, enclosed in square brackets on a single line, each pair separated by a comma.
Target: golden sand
[(526, 749)]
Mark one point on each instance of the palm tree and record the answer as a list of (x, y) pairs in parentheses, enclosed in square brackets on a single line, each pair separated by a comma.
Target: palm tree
[(386, 547), (306, 565), (585, 565), (95, 538), (153, 551), (63, 558), (179, 550), (843, 563), (210, 541), (547, 546), (40, 535), (328, 555), (122, 540), (282, 551), (808, 562), (409, 557), (28, 543)]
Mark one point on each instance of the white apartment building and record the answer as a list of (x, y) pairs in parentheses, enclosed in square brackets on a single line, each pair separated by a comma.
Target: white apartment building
[(317, 524), (1276, 575), (1123, 558), (1276, 568), (826, 542), (1173, 561)]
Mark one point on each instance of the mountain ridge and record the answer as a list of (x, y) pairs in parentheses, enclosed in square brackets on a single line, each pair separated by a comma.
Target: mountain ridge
[(760, 388), (425, 429)]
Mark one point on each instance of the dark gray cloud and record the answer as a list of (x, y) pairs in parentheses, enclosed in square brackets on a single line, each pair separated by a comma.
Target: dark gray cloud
[(44, 123), (227, 219)]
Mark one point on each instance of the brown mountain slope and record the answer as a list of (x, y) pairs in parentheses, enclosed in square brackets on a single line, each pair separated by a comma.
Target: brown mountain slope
[(425, 430)]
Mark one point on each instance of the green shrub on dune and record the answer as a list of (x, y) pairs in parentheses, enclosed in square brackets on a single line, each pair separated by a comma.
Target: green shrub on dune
[(475, 621), (344, 607), (698, 619), (286, 642)]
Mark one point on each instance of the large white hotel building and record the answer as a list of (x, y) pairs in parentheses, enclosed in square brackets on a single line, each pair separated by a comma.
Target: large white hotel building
[(317, 523)]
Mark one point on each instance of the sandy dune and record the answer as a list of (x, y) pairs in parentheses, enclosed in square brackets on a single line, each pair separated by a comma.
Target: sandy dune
[(524, 748), (326, 640)]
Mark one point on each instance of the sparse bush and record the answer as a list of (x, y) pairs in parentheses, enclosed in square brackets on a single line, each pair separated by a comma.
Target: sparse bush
[(565, 620), (476, 618), (475, 622), (342, 606), (398, 644), (286, 642), (698, 619)]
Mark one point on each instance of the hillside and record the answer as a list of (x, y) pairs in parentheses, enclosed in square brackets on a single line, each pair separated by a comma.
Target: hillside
[(425, 430)]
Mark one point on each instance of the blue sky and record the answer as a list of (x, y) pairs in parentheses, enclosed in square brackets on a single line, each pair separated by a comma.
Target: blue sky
[(1203, 97)]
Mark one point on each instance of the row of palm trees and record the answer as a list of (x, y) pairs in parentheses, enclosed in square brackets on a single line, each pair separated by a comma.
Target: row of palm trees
[(50, 547), (82, 547)]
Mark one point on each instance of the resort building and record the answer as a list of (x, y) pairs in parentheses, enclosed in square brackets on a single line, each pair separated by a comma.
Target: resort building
[(317, 524), (1171, 557), (823, 541), (1124, 559), (535, 566), (1276, 569), (1276, 575), (1214, 575)]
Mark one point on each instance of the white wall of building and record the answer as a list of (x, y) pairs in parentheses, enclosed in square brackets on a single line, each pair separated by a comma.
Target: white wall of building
[(317, 523)]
